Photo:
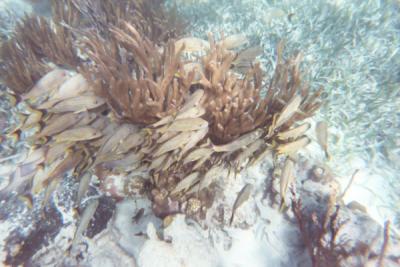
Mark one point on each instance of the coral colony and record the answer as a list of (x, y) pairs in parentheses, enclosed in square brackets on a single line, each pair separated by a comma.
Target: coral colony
[(123, 95)]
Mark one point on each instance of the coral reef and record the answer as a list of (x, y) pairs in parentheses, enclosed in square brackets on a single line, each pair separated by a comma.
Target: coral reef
[(113, 90), (173, 119)]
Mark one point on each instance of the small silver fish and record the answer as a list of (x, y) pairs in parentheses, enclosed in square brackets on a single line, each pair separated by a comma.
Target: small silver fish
[(196, 138), (234, 41), (174, 143), (59, 124), (191, 44), (127, 163), (293, 147), (157, 162), (211, 175), (74, 86), (49, 191), (286, 179), (84, 222), (183, 125), (46, 84), (42, 175), (198, 154), (71, 160), (192, 101), (83, 187), (248, 152), (115, 138), (55, 151), (130, 142), (243, 196), (35, 155), (78, 104), (294, 133), (87, 118), (322, 136), (186, 183), (241, 142), (34, 117), (22, 176), (78, 134), (288, 111)]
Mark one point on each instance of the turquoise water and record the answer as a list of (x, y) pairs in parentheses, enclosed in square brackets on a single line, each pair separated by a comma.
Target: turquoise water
[(350, 48)]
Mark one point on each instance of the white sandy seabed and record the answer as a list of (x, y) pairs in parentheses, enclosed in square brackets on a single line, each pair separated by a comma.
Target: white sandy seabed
[(260, 235)]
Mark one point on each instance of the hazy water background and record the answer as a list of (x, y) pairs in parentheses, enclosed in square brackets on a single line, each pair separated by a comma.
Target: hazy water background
[(350, 47)]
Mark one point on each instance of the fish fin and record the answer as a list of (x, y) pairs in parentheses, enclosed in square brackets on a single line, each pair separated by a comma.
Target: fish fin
[(81, 110), (15, 134), (13, 99), (27, 200), (327, 155), (232, 217), (22, 117)]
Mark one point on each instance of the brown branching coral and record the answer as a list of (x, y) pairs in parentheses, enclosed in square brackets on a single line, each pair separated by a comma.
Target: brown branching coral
[(66, 12), (138, 104), (235, 105), (232, 103), (385, 243), (48, 41), (21, 67), (34, 43), (140, 83), (150, 18), (316, 231), (329, 243)]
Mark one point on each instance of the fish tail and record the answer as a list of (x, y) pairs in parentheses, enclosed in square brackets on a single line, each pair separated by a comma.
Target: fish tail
[(327, 155), (283, 205), (27, 200), (15, 135), (21, 117), (231, 219), (13, 99)]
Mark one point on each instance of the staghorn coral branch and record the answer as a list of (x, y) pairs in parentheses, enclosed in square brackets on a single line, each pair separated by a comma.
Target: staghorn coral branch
[(234, 103), (385, 244), (21, 67), (150, 17), (160, 83), (47, 41)]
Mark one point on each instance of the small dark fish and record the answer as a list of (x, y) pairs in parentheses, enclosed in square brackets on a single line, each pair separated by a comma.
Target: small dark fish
[(243, 195), (141, 234), (138, 215)]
